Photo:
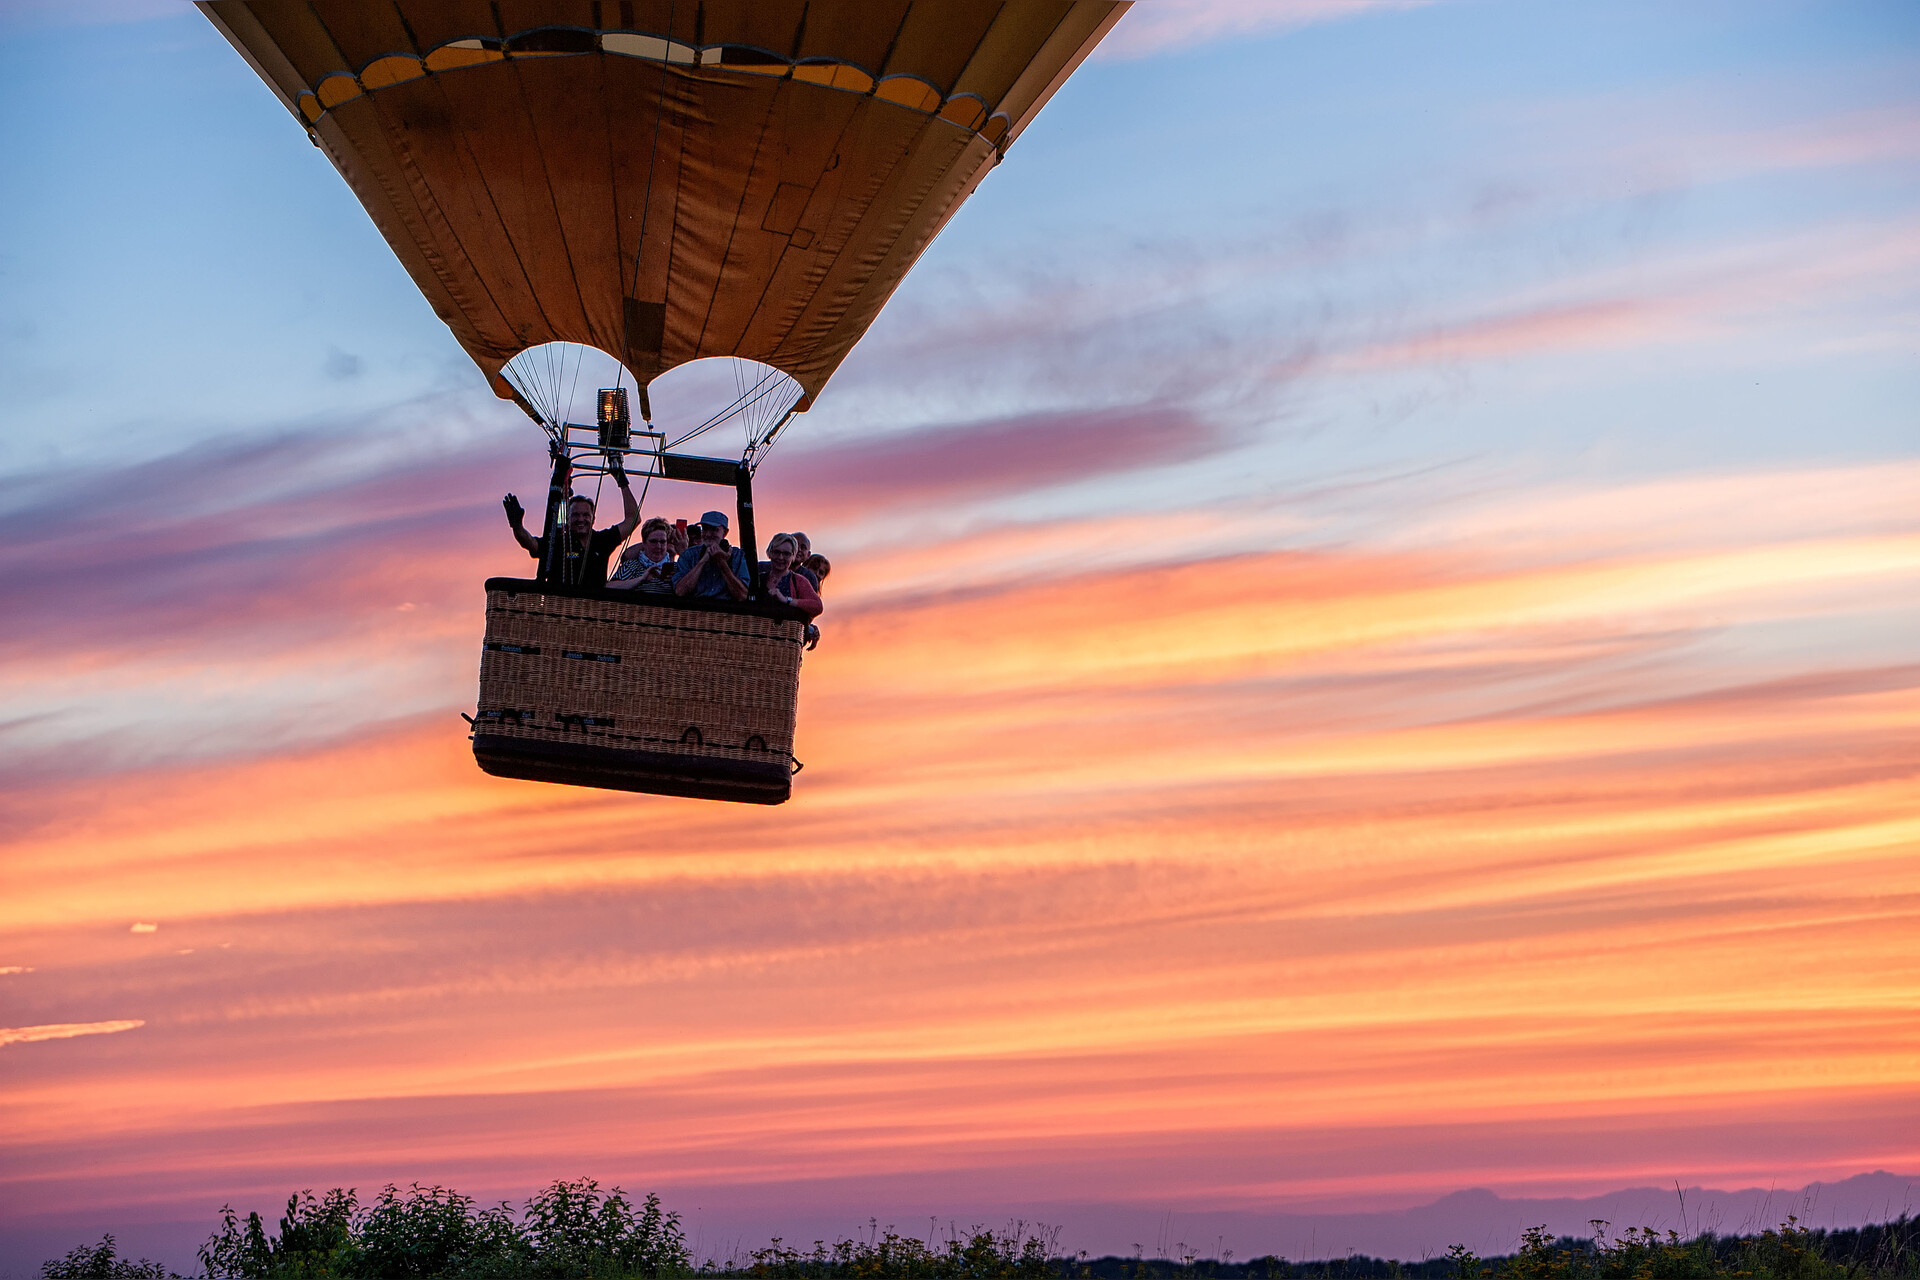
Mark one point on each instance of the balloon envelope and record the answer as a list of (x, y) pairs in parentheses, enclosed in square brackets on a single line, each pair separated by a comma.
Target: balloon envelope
[(663, 179)]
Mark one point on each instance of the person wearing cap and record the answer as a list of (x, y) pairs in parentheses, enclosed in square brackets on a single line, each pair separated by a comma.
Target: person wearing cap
[(710, 568)]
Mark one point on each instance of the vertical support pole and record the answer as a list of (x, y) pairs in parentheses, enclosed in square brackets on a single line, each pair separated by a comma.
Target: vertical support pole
[(743, 486), (556, 513)]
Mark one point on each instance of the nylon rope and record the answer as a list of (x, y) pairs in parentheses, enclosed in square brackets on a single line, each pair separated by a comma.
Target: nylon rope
[(653, 154), (737, 406)]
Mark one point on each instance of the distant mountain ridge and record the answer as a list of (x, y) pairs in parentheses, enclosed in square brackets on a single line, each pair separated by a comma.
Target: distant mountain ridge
[(1489, 1223)]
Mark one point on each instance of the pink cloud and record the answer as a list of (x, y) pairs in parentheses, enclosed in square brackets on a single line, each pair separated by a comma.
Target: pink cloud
[(1866, 136), (1159, 26), (296, 541), (1742, 289), (955, 463), (1556, 327)]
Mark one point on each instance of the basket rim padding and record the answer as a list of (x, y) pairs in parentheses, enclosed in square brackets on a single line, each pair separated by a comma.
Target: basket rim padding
[(772, 610)]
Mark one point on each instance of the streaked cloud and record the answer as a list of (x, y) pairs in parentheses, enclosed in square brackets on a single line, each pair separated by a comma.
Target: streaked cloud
[(65, 1030), (1158, 26), (955, 462)]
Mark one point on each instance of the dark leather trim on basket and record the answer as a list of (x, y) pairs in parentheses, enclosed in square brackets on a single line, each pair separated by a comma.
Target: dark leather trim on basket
[(694, 604), (649, 772)]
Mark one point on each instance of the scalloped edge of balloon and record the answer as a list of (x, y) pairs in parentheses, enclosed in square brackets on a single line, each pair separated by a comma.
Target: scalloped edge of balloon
[(965, 110)]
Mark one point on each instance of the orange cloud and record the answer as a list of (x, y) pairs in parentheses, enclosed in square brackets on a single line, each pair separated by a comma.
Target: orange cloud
[(1352, 871)]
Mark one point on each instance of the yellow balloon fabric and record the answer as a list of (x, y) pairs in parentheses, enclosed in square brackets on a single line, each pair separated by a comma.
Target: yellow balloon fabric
[(663, 179)]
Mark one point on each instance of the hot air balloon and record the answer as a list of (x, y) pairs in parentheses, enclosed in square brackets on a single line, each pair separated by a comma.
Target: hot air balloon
[(664, 181)]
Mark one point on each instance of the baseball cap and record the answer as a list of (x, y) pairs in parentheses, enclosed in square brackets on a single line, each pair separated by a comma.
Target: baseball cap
[(714, 519)]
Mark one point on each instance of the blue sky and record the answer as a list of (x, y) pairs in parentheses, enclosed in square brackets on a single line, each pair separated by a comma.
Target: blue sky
[(188, 267)]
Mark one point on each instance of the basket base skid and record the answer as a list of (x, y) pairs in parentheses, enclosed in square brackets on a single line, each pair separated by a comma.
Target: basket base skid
[(650, 772)]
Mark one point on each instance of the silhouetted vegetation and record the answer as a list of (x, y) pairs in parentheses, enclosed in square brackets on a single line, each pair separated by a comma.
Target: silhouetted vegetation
[(570, 1231), (576, 1231), (101, 1262), (1013, 1254), (1788, 1252), (1890, 1251), (1356, 1266)]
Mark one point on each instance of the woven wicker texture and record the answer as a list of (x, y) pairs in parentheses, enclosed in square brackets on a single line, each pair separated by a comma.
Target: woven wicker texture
[(640, 676)]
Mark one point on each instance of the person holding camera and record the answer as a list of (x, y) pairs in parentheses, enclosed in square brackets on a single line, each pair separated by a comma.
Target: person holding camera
[(711, 568), (648, 566)]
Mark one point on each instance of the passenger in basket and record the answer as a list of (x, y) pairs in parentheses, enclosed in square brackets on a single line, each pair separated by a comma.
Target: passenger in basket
[(785, 583), (710, 567), (802, 553), (818, 564), (649, 565), (583, 550)]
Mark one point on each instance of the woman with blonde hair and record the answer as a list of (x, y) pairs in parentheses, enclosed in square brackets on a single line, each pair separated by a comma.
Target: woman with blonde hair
[(785, 583), (648, 564)]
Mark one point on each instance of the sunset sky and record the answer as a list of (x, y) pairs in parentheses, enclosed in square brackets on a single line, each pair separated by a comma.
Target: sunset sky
[(1374, 650)]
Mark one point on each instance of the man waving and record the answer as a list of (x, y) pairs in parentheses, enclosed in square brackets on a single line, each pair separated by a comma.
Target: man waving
[(581, 556)]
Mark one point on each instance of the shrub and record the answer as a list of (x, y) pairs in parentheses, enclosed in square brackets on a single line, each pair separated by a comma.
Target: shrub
[(434, 1231), (572, 1229), (569, 1231), (98, 1262), (316, 1239)]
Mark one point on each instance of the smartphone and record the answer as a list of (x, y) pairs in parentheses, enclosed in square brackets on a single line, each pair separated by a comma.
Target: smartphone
[(681, 525)]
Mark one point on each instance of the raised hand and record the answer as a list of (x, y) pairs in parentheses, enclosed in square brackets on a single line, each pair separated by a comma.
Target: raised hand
[(515, 512)]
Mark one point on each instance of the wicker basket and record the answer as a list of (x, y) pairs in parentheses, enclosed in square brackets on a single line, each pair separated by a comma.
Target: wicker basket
[(633, 692)]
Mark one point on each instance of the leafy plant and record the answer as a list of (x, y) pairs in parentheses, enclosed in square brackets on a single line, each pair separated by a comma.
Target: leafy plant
[(573, 1229), (1014, 1254), (99, 1262), (434, 1231), (569, 1231)]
